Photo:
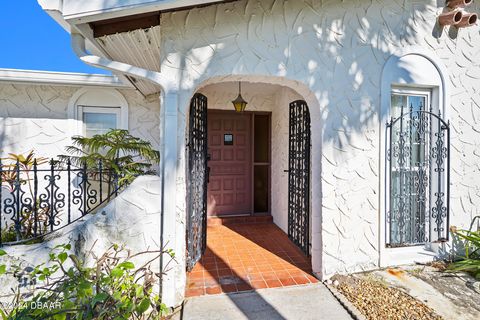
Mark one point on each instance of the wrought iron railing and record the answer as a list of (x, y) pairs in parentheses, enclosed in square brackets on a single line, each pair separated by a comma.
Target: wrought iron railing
[(39, 198)]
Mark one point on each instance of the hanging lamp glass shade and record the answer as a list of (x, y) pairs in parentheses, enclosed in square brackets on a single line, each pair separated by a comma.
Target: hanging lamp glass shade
[(239, 103)]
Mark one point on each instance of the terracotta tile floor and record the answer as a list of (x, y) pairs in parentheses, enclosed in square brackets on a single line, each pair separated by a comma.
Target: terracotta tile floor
[(245, 257)]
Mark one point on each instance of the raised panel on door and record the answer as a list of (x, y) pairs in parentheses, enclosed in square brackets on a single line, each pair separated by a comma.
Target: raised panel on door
[(229, 190)]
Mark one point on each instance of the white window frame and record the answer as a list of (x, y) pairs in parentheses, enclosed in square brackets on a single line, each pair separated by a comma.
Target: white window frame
[(430, 93), (415, 252), (402, 76), (409, 92), (90, 109), (95, 98)]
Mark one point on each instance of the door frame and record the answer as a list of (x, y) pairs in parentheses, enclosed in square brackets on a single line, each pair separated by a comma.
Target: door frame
[(269, 163), (252, 115)]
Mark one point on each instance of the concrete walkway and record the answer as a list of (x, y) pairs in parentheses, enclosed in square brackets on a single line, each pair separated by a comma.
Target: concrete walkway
[(305, 302)]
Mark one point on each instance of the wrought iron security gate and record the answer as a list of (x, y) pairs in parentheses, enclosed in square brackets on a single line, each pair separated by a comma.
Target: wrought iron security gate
[(299, 176), (197, 182), (418, 174)]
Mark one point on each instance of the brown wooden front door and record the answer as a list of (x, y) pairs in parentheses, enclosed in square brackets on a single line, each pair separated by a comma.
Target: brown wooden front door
[(229, 148)]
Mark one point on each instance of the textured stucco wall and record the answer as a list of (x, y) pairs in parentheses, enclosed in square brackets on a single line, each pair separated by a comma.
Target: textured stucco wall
[(337, 50), (36, 117), (280, 145)]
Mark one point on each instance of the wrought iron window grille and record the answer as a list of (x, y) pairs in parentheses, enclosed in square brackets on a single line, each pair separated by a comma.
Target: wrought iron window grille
[(417, 178)]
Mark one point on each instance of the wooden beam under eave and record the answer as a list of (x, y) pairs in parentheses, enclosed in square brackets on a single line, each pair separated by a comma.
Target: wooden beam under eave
[(125, 24), (139, 21)]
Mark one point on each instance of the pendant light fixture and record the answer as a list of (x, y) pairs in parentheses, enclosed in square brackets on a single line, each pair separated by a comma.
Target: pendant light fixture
[(239, 103)]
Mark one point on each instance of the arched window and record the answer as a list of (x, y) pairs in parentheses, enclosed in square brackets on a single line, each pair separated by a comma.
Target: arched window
[(95, 111), (414, 106)]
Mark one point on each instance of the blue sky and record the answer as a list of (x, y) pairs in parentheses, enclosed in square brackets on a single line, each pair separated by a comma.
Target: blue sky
[(30, 39)]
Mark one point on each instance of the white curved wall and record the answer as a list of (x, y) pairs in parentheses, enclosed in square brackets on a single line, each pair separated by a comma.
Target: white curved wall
[(131, 220)]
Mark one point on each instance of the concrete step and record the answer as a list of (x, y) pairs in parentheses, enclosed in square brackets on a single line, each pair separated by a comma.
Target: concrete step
[(219, 221)]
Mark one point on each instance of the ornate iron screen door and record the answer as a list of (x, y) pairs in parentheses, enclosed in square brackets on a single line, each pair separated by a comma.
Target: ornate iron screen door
[(299, 176), (418, 165), (197, 181)]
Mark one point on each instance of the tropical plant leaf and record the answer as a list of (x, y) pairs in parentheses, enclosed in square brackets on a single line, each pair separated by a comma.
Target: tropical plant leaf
[(127, 265), (471, 261), (143, 306), (117, 151)]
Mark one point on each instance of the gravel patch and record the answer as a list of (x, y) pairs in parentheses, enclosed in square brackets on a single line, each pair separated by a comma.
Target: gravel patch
[(378, 301)]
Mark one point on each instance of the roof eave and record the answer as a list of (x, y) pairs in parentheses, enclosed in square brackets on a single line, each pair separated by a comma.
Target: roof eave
[(54, 9), (111, 12), (37, 77)]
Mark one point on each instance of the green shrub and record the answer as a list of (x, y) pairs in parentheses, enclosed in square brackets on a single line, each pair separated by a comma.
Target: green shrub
[(118, 150), (470, 262), (114, 288)]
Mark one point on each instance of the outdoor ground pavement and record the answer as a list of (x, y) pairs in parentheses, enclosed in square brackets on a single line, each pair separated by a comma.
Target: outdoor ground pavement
[(306, 302), (243, 257)]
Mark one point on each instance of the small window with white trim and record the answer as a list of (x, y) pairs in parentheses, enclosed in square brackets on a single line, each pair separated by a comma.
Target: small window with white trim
[(417, 170), (99, 120)]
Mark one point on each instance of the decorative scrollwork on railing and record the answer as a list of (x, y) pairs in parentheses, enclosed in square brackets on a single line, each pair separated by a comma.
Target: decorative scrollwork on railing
[(439, 151), (35, 200), (84, 196), (420, 124), (418, 188), (18, 206), (439, 214), (52, 201)]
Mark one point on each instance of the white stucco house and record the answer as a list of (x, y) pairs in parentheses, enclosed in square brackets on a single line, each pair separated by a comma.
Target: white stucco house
[(360, 135)]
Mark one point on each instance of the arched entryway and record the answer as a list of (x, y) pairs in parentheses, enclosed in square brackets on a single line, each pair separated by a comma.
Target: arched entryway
[(256, 171)]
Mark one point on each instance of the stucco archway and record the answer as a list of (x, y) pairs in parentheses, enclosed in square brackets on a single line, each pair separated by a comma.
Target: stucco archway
[(296, 90)]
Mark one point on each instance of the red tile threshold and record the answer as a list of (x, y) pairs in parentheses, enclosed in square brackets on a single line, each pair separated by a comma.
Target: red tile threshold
[(248, 256)]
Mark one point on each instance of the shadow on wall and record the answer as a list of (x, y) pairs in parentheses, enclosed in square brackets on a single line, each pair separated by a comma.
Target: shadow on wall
[(337, 50), (329, 47), (333, 54), (459, 246)]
